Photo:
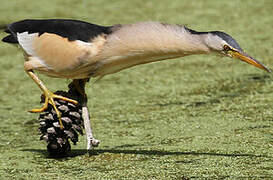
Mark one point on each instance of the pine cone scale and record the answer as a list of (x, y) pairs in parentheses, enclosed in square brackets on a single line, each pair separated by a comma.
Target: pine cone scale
[(57, 139)]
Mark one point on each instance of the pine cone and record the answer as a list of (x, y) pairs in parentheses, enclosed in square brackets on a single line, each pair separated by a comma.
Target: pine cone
[(57, 139)]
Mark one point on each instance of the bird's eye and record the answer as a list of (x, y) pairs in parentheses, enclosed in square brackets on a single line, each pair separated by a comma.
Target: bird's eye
[(226, 48)]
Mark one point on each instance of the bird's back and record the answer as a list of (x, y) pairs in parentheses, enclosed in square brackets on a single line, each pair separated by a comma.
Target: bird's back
[(71, 29)]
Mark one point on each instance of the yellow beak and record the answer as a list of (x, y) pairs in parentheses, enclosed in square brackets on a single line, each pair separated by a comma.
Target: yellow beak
[(246, 58)]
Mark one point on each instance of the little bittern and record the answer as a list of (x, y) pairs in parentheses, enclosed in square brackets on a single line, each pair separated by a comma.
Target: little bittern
[(80, 50)]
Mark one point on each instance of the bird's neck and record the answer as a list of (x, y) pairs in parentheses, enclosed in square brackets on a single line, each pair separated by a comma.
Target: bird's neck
[(156, 38), (140, 43)]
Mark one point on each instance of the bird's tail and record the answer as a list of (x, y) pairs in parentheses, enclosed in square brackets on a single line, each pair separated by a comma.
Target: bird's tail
[(11, 38)]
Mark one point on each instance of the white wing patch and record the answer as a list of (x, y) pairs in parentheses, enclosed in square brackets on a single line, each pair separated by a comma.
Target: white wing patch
[(26, 41), (82, 43)]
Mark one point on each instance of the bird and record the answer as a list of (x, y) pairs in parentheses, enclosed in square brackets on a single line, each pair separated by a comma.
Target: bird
[(78, 50)]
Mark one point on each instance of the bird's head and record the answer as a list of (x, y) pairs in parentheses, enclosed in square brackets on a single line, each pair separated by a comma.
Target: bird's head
[(224, 44)]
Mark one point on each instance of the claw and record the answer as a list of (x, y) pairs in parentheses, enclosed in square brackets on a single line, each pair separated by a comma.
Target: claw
[(45, 106), (49, 98)]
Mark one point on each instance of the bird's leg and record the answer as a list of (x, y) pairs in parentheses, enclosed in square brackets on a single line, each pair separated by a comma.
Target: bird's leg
[(91, 141), (49, 96), (80, 87)]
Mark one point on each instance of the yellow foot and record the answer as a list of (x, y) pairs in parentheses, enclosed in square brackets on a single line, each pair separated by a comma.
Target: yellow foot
[(49, 98)]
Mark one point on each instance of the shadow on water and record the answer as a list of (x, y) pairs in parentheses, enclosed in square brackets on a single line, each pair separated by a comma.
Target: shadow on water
[(94, 152)]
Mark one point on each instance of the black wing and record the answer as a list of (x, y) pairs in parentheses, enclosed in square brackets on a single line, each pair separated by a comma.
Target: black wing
[(71, 29)]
